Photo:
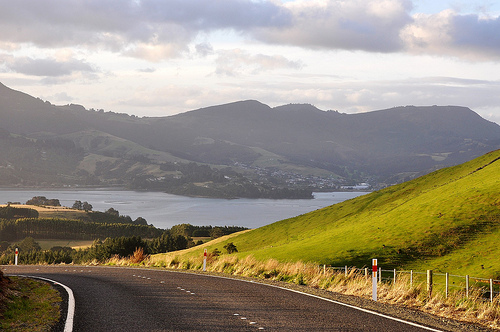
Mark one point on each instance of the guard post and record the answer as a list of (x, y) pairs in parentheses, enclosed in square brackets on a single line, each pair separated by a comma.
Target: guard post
[(374, 279), (17, 254), (205, 260)]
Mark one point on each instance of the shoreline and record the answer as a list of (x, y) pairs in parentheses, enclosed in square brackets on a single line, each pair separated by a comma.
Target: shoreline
[(75, 188)]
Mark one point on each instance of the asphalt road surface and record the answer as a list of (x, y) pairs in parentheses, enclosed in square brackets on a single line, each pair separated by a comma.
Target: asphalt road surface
[(125, 299)]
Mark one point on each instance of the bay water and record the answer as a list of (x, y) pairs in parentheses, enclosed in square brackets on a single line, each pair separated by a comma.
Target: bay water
[(166, 210)]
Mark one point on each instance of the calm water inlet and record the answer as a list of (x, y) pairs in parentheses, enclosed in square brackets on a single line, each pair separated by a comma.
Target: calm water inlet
[(165, 210)]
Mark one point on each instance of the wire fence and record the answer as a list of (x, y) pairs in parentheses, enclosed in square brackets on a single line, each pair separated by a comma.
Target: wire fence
[(445, 282)]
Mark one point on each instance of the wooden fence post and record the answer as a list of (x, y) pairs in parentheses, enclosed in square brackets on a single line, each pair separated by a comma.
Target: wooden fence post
[(447, 276), (491, 290), (467, 286), (429, 283)]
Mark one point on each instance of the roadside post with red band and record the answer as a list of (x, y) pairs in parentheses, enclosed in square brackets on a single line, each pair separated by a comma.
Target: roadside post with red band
[(17, 253), (205, 260), (374, 279)]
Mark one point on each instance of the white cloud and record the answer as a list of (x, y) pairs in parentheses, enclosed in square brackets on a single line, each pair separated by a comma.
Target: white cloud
[(428, 32), (479, 36), (448, 33), (45, 66), (343, 24), (61, 97), (155, 52), (204, 49), (163, 29), (147, 70), (132, 27), (237, 61)]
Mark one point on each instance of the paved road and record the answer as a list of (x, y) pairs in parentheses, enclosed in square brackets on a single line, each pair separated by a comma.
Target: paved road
[(124, 299)]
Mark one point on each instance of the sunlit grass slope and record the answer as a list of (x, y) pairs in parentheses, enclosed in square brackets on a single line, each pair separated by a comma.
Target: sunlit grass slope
[(448, 220)]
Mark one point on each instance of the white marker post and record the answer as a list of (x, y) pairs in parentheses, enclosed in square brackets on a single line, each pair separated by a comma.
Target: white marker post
[(205, 260), (17, 253), (374, 279)]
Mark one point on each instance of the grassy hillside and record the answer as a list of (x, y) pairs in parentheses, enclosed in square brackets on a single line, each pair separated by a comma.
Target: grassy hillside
[(448, 220), (101, 143)]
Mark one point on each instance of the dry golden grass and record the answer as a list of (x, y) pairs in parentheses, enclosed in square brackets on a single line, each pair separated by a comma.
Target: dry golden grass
[(138, 256), (75, 244), (40, 208), (115, 260), (52, 211)]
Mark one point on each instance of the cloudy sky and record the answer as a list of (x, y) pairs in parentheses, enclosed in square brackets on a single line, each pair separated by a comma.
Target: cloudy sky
[(162, 57)]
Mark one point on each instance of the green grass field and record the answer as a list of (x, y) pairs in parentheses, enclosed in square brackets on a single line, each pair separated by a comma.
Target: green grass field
[(448, 221)]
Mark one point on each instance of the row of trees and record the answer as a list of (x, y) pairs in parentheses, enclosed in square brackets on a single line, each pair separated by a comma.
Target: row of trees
[(112, 216), (9, 212), (13, 230), (42, 200), (18, 223), (30, 251), (86, 206), (213, 232)]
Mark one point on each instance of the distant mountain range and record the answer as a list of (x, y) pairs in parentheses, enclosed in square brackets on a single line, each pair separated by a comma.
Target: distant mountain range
[(248, 146)]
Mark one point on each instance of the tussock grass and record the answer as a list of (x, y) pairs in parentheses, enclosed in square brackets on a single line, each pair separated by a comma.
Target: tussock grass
[(138, 256)]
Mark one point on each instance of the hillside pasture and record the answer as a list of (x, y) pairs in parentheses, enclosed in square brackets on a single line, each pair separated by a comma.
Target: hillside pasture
[(448, 221)]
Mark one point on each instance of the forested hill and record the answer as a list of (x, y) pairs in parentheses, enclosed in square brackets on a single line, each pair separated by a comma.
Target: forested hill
[(250, 149)]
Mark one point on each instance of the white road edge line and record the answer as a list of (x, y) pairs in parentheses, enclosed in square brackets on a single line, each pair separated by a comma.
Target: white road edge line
[(295, 291), (68, 325), (333, 301)]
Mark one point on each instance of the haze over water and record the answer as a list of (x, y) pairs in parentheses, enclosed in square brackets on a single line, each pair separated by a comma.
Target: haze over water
[(165, 210)]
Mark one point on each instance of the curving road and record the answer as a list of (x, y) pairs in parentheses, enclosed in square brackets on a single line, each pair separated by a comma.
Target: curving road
[(125, 299)]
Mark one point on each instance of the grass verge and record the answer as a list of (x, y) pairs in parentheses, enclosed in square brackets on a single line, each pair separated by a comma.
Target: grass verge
[(30, 306)]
